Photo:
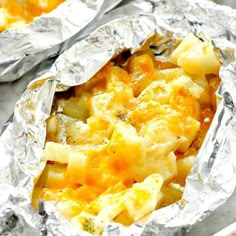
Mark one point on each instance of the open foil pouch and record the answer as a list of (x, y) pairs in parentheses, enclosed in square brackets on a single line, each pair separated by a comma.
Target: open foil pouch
[(212, 179), (24, 47)]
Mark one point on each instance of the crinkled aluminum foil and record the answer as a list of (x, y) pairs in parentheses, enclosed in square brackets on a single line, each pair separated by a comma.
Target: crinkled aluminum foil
[(212, 179), (49, 34)]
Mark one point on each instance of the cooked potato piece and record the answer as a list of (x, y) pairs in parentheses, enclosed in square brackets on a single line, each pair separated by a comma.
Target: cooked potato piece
[(56, 152), (52, 176), (140, 64), (158, 138), (124, 218), (186, 45), (184, 166), (170, 194), (196, 56), (189, 133), (170, 74), (188, 83), (76, 170), (77, 132), (77, 107), (158, 91), (125, 149), (80, 133), (164, 165), (53, 128), (182, 101), (201, 60), (101, 104), (96, 123), (144, 111)]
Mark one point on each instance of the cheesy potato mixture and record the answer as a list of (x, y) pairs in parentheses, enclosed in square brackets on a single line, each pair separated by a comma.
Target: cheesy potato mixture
[(132, 134), (16, 13)]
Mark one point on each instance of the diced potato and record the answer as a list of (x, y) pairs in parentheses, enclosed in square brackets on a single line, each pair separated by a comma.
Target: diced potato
[(140, 82), (141, 69), (52, 176), (186, 82), (189, 132), (125, 149), (122, 92), (77, 132), (53, 127), (116, 74), (76, 170), (56, 176), (170, 74), (159, 140), (145, 111), (140, 64), (186, 44), (56, 152), (201, 59), (117, 83), (200, 80), (96, 123), (170, 194), (163, 165), (77, 107), (183, 102), (101, 103), (158, 91), (184, 166), (124, 218), (205, 98)]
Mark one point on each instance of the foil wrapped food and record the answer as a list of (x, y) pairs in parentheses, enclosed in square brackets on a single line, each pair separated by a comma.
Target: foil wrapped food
[(48, 35), (212, 179)]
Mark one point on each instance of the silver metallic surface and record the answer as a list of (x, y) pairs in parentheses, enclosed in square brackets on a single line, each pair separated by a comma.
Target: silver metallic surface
[(212, 180), (21, 50)]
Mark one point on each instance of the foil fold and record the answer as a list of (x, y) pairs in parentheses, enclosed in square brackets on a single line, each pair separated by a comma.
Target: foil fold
[(211, 181), (48, 35)]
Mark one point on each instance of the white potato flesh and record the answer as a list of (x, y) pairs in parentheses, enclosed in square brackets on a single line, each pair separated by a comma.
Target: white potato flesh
[(200, 60), (188, 83), (56, 152), (186, 44)]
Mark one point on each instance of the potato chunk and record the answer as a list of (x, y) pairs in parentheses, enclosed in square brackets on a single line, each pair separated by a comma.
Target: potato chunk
[(196, 57), (125, 149), (186, 44), (201, 59)]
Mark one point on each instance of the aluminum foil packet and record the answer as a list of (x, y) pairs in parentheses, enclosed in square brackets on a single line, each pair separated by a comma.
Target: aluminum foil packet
[(212, 179), (47, 36)]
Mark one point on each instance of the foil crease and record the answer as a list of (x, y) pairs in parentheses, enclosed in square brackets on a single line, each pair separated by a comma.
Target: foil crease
[(48, 35), (211, 181)]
